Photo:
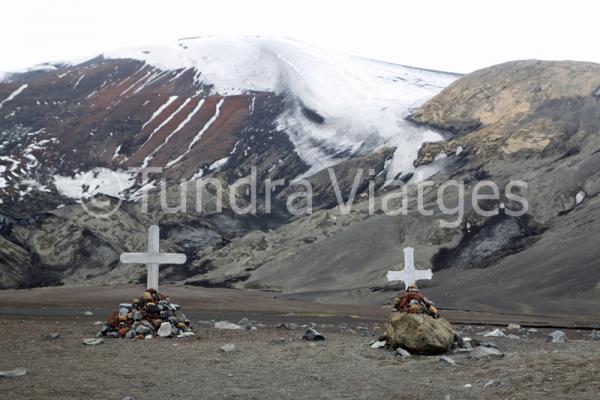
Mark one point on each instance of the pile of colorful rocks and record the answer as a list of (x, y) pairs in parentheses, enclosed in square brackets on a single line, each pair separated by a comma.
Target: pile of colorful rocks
[(150, 315)]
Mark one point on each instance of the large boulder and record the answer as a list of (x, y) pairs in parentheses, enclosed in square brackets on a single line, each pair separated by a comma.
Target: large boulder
[(419, 333)]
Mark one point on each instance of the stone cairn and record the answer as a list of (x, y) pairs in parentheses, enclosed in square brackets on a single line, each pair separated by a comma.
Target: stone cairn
[(146, 317)]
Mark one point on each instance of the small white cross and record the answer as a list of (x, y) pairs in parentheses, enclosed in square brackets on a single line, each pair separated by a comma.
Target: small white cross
[(409, 274), (153, 258)]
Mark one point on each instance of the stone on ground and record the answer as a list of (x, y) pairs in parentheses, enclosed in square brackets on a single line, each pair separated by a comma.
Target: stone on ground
[(448, 360), (494, 333), (53, 336), (402, 353), (13, 373), (419, 333), (491, 383), (481, 352), (92, 342), (226, 325), (246, 324), (312, 335), (228, 348), (378, 344), (557, 337)]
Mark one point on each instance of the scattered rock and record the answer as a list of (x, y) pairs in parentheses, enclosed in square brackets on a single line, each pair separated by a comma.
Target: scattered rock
[(228, 348), (491, 383), (376, 331), (448, 360), (226, 325), (556, 337), (278, 341), (513, 327), (378, 344), (165, 330), (246, 324), (92, 342), (53, 336), (98, 323), (363, 331), (491, 345), (312, 335), (419, 333), (461, 344), (481, 352), (283, 326), (88, 313), (13, 373), (349, 331), (511, 336), (532, 330), (494, 333), (402, 353), (468, 385), (595, 335)]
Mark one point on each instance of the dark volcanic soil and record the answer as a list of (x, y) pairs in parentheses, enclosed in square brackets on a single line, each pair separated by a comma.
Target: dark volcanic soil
[(270, 362)]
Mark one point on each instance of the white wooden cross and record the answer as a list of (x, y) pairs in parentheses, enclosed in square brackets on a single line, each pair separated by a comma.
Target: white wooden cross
[(409, 274), (153, 258)]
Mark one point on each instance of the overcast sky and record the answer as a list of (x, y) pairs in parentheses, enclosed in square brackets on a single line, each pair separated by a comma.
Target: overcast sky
[(457, 35)]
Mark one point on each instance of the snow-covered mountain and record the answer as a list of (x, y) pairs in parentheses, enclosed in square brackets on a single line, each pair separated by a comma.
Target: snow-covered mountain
[(194, 106), (357, 105)]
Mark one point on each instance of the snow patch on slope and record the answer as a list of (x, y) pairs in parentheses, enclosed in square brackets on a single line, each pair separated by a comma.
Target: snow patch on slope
[(218, 164), (160, 110), (13, 95), (100, 180), (199, 134)]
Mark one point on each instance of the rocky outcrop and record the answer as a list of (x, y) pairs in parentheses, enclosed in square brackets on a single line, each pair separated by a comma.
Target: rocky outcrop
[(515, 110), (419, 333)]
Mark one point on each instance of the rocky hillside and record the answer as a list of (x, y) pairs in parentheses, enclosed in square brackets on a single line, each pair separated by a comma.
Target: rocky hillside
[(530, 121)]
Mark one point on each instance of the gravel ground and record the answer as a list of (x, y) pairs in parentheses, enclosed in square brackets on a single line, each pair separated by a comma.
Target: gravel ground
[(274, 363)]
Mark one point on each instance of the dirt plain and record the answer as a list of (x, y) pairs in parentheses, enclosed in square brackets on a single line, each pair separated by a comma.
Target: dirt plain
[(272, 362)]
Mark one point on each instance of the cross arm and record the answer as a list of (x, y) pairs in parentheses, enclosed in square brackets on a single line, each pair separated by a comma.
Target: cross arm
[(423, 274), (153, 258)]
